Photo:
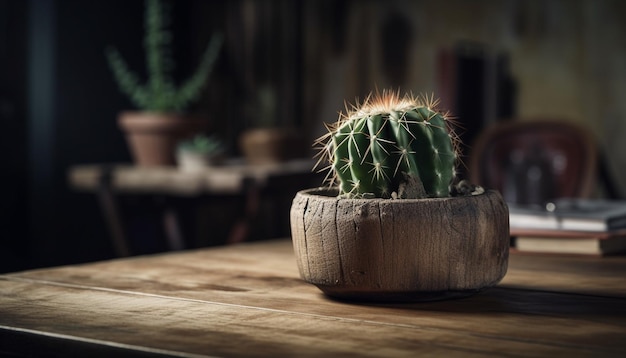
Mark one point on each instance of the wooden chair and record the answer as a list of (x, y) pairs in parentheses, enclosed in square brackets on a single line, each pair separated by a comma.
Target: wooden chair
[(534, 161)]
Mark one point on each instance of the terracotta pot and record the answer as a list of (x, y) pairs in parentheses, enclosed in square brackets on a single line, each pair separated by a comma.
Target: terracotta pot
[(400, 250), (152, 137), (270, 145)]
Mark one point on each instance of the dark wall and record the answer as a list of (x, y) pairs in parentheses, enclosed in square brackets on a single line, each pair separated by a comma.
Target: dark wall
[(58, 108), (71, 105), (59, 104), (13, 165), (67, 226)]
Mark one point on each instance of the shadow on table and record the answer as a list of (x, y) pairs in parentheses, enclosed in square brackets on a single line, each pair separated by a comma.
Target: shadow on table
[(525, 302)]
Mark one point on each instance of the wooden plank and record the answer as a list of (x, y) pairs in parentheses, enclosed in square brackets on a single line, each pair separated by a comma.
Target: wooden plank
[(165, 180), (224, 179), (602, 276), (31, 343), (205, 327), (545, 305), (583, 275)]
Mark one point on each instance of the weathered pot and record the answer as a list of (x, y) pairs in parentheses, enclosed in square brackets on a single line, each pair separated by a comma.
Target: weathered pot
[(400, 250)]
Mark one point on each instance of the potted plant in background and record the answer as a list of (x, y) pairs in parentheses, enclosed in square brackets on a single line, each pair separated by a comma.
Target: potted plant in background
[(199, 152), (397, 225), (154, 131), (266, 142)]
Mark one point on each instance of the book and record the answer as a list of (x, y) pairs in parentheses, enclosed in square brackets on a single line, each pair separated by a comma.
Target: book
[(593, 215), (563, 242)]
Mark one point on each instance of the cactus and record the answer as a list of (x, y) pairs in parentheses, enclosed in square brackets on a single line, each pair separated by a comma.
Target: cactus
[(391, 146), (160, 93)]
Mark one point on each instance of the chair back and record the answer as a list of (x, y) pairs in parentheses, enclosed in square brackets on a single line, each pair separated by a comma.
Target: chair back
[(534, 161)]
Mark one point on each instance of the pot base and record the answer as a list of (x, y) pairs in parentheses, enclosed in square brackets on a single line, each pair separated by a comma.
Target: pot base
[(348, 294)]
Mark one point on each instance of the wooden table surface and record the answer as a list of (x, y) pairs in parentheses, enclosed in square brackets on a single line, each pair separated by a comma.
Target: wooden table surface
[(248, 300)]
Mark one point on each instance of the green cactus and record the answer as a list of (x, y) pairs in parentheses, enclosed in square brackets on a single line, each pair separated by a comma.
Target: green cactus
[(160, 94), (392, 146)]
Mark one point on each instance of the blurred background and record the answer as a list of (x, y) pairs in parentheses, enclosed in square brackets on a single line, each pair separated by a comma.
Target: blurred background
[(285, 63)]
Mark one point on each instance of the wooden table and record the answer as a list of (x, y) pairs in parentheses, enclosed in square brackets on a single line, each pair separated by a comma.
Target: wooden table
[(233, 178), (230, 178), (248, 300)]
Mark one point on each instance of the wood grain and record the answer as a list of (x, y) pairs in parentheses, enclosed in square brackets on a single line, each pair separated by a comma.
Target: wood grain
[(248, 300), (381, 249)]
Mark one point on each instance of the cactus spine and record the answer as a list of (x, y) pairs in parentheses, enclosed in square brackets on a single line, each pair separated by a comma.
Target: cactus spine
[(387, 142)]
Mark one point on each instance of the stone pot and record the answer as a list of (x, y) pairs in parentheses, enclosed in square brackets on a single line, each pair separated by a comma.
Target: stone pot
[(192, 161), (153, 137), (400, 250)]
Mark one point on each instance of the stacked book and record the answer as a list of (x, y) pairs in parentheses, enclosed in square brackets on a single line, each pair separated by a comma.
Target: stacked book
[(570, 226)]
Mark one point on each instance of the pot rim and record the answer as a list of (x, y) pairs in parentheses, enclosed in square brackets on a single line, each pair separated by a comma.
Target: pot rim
[(140, 121), (332, 194)]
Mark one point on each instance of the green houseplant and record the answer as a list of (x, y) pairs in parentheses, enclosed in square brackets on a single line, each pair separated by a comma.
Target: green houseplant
[(154, 130), (395, 224), (199, 152)]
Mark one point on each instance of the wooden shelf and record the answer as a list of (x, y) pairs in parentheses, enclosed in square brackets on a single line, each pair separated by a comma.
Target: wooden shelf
[(229, 178)]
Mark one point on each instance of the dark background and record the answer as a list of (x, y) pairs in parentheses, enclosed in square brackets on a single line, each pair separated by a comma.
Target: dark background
[(59, 103)]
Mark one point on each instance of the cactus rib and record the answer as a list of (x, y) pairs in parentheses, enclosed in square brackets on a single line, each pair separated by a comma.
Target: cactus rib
[(375, 145)]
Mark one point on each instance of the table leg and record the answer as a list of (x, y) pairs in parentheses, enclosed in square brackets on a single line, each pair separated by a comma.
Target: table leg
[(173, 232), (240, 230), (111, 213)]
